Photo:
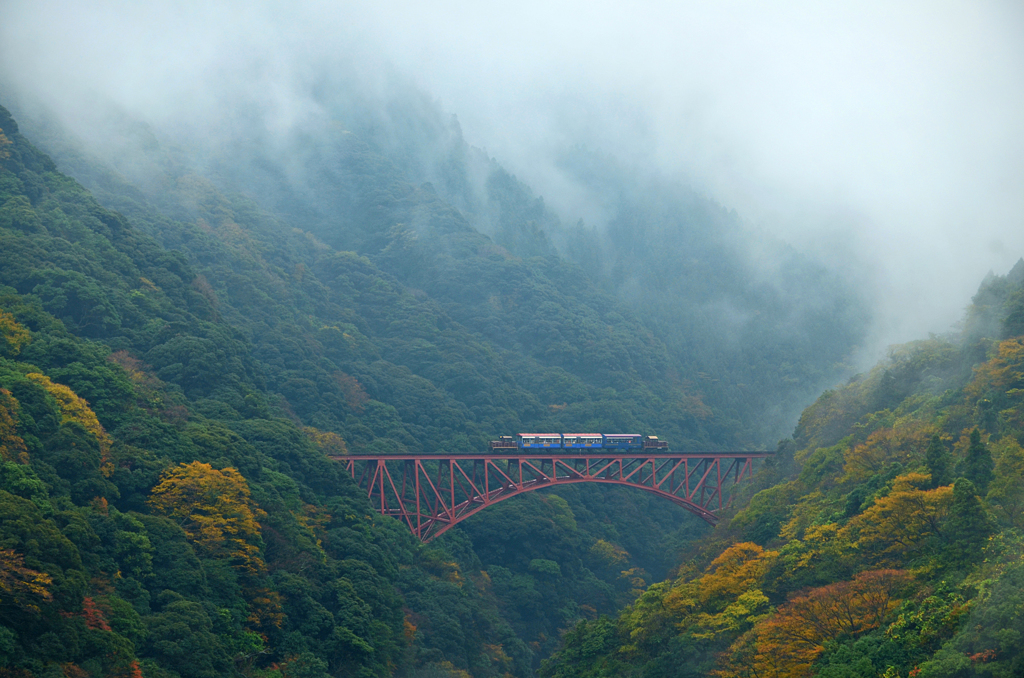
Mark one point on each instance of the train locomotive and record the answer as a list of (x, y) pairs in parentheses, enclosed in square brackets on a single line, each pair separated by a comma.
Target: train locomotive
[(578, 442)]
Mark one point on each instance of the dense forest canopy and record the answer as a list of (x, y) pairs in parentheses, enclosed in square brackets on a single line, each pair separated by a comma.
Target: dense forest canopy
[(746, 327), (176, 371), (189, 327), (886, 538)]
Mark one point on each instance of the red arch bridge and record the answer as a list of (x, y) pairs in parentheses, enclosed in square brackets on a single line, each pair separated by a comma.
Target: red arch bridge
[(431, 493)]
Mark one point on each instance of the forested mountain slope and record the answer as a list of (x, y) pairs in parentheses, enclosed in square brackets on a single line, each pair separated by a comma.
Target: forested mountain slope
[(887, 539), (671, 295), (166, 416), (178, 359), (129, 538)]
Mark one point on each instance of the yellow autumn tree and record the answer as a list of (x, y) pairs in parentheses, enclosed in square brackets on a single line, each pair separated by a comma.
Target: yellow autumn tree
[(215, 509), (735, 571), (5, 145), (725, 598), (787, 643), (902, 443), (75, 408), (21, 585), (12, 335), (903, 521), (1002, 378), (727, 595), (1004, 372), (12, 447), (824, 549), (609, 555), (328, 442)]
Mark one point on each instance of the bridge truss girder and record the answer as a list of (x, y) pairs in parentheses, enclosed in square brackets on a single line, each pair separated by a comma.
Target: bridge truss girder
[(433, 493)]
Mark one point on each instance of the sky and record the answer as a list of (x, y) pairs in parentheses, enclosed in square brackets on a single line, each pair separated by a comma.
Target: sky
[(884, 138)]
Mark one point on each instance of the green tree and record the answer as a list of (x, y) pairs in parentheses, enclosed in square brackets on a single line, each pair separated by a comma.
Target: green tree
[(938, 459), (977, 465), (967, 526), (1007, 490)]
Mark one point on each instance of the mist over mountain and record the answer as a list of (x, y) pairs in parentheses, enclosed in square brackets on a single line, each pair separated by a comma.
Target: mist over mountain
[(237, 240), (752, 324), (883, 141)]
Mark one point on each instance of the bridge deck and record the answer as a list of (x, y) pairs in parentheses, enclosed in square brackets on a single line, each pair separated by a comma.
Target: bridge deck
[(537, 454)]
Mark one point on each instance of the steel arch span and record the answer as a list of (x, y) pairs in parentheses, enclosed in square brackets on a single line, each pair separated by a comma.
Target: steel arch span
[(431, 493)]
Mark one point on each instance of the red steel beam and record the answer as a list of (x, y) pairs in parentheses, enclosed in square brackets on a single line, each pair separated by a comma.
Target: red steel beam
[(430, 509)]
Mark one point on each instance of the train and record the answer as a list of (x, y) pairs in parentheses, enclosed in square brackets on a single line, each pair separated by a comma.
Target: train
[(578, 442)]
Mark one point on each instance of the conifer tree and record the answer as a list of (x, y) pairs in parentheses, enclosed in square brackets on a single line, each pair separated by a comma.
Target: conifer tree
[(967, 527), (977, 465), (938, 460)]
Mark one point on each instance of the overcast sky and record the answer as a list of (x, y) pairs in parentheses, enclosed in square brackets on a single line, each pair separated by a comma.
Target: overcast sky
[(885, 137)]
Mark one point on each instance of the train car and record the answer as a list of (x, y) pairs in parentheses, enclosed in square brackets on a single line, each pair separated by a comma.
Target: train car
[(622, 441), (578, 442), (652, 443), (582, 441), (504, 443), (534, 441)]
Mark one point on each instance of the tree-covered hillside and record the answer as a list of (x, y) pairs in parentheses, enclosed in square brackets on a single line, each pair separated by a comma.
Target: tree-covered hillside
[(886, 539), (166, 416), (733, 330), (185, 342)]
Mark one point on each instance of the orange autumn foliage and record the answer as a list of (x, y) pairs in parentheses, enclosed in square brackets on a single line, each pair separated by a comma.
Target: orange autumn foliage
[(786, 644), (408, 629), (93, 615), (128, 670), (137, 371), (726, 597), (355, 396), (265, 609), (732, 573), (72, 670)]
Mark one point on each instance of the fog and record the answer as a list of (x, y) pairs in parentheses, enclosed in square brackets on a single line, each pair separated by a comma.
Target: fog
[(885, 139)]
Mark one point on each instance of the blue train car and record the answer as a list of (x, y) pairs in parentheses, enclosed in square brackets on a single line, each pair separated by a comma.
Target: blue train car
[(533, 441), (582, 441), (622, 441), (579, 442)]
